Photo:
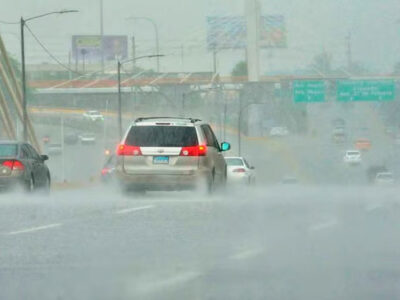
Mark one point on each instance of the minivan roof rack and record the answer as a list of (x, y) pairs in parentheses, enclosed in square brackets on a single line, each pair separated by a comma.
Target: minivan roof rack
[(192, 120)]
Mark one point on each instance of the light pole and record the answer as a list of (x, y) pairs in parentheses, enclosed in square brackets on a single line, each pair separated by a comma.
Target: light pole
[(23, 75), (241, 109), (119, 65), (186, 94), (156, 36)]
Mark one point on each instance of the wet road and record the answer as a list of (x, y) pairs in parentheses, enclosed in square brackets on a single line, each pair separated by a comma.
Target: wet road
[(330, 237), (275, 243)]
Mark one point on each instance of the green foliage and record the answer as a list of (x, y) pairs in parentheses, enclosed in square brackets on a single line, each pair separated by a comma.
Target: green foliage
[(396, 69), (322, 62), (240, 69)]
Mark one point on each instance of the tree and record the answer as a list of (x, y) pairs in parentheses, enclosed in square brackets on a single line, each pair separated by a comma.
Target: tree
[(358, 68), (322, 62), (396, 69), (240, 69)]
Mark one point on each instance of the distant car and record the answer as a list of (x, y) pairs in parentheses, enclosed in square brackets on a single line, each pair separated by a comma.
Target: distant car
[(239, 171), (93, 115), (107, 172), (22, 166), (54, 149), (384, 178), (289, 180), (352, 157), (362, 144), (391, 131), (87, 138), (71, 139), (339, 122), (339, 135), (372, 171), (279, 131)]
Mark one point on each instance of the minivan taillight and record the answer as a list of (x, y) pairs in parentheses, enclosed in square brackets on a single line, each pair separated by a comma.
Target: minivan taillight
[(239, 170), (199, 150), (128, 150), (14, 165)]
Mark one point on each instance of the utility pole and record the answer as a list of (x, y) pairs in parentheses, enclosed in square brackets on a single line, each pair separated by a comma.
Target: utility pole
[(133, 54), (62, 147), (69, 66), (23, 75), (253, 18), (349, 56), (119, 101), (215, 60), (183, 104), (102, 35), (183, 58), (83, 52)]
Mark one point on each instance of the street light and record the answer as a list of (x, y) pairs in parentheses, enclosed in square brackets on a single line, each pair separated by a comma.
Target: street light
[(156, 36), (119, 65), (23, 75)]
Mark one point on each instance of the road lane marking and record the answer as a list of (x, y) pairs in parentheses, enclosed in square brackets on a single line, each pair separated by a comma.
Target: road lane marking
[(33, 229), (164, 284), (324, 225), (246, 254), (132, 209)]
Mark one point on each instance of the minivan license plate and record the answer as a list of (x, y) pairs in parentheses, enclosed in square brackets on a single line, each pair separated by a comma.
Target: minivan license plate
[(161, 160)]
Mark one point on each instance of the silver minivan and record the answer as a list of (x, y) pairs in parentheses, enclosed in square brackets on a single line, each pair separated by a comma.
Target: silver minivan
[(170, 154)]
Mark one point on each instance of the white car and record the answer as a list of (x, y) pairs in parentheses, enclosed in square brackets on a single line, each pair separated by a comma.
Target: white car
[(397, 140), (239, 171), (87, 138), (279, 131), (54, 149), (352, 157), (384, 178), (93, 115)]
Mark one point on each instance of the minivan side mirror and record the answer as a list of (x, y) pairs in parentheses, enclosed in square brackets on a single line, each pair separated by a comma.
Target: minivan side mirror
[(225, 146), (44, 157)]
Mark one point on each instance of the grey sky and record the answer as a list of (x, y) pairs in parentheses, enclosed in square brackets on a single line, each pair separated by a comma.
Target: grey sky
[(312, 25)]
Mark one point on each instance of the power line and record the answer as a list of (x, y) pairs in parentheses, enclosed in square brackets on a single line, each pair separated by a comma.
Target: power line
[(49, 53), (8, 23)]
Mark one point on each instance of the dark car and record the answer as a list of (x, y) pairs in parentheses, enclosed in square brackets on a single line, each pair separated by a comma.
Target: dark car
[(22, 166), (107, 173), (339, 122), (71, 139), (372, 171)]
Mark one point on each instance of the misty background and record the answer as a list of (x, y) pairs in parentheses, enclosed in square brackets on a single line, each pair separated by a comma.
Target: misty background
[(313, 26)]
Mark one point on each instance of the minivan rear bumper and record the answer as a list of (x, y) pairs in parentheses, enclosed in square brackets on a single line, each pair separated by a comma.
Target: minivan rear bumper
[(161, 182)]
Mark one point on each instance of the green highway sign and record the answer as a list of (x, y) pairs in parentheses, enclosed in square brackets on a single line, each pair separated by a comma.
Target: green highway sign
[(365, 90), (308, 91)]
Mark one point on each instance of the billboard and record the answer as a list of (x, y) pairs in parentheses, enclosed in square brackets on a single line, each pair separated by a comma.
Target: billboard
[(230, 32), (88, 47)]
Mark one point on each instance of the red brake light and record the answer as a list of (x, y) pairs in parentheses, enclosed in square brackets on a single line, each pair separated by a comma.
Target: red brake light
[(104, 171), (128, 150), (200, 150), (14, 165), (239, 170), (8, 164)]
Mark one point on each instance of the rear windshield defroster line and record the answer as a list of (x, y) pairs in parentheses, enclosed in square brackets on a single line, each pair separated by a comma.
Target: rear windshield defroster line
[(162, 136)]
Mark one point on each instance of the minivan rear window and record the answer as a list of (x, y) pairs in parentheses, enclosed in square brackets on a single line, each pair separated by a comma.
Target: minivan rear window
[(162, 136), (8, 150)]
